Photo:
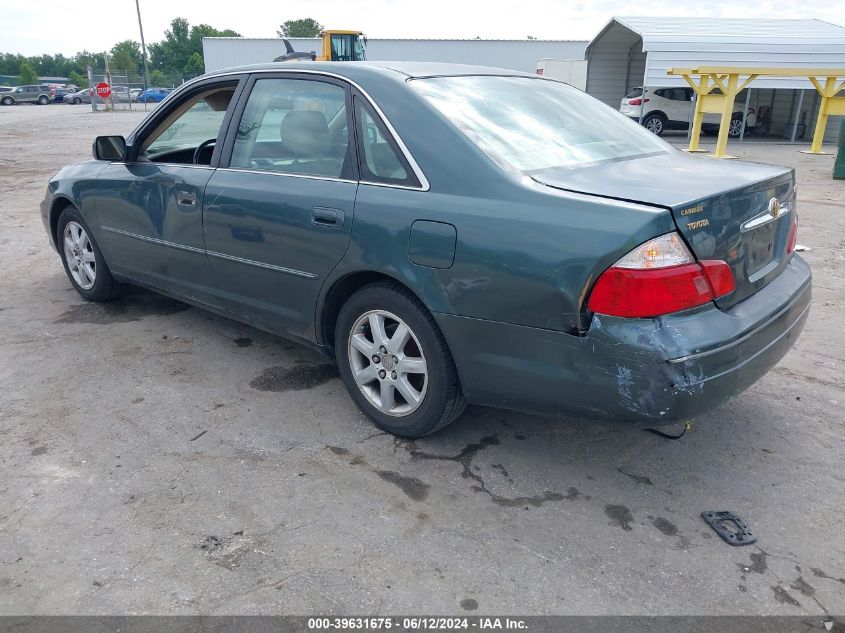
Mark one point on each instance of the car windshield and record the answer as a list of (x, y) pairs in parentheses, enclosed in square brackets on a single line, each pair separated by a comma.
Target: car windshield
[(532, 124)]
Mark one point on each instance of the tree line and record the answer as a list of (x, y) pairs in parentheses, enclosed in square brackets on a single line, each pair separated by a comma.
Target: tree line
[(172, 60), (175, 58)]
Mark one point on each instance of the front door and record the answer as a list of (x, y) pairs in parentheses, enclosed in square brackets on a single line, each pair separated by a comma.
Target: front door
[(150, 207), (279, 210)]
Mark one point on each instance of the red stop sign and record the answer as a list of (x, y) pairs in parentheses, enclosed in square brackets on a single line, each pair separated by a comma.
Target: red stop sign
[(103, 90)]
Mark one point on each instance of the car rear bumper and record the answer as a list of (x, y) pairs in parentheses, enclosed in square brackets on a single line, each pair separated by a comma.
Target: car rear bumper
[(641, 371)]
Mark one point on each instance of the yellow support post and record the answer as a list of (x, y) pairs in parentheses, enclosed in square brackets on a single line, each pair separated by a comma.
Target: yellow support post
[(830, 104), (697, 118), (728, 93), (700, 89)]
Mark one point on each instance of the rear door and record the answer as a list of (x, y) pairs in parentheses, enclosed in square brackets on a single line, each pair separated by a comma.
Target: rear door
[(678, 104), (279, 210)]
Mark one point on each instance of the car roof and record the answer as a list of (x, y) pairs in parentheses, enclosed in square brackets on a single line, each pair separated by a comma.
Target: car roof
[(353, 70)]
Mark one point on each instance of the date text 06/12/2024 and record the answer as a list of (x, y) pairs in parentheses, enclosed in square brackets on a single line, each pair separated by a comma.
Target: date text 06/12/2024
[(416, 623)]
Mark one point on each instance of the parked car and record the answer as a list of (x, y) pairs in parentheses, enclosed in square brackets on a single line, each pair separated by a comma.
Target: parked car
[(121, 94), (471, 235), (153, 95), (59, 93), (672, 108), (41, 95), (80, 96), (134, 92)]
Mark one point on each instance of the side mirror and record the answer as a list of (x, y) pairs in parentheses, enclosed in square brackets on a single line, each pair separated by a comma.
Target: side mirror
[(109, 148)]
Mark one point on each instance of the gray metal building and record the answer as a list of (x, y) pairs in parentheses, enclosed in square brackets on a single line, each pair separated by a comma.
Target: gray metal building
[(223, 52), (637, 51)]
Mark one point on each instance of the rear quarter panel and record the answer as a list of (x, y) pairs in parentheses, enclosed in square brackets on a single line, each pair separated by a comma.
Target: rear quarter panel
[(527, 258)]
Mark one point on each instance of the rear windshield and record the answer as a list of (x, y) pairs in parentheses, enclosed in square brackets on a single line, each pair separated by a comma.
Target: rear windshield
[(636, 92), (531, 124)]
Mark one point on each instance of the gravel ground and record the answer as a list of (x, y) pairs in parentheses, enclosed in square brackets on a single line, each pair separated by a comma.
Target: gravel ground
[(157, 459)]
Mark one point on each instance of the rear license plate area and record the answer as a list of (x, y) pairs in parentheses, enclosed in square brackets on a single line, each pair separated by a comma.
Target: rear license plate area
[(760, 249)]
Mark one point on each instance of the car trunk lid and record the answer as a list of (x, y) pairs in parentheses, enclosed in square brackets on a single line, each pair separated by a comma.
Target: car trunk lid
[(722, 208)]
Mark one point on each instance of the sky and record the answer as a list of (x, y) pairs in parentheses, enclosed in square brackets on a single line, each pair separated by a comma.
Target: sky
[(66, 26)]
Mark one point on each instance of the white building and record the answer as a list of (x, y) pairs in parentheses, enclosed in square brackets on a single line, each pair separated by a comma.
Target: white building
[(633, 52), (223, 52)]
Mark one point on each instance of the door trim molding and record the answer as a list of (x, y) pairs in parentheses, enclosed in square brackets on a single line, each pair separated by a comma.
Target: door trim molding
[(252, 262), (155, 240)]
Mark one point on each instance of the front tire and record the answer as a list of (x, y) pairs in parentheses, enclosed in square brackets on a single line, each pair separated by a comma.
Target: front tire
[(83, 260), (77, 101), (395, 363), (7, 101), (655, 123)]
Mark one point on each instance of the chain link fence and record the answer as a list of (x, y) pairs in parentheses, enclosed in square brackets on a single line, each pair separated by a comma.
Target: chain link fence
[(130, 90)]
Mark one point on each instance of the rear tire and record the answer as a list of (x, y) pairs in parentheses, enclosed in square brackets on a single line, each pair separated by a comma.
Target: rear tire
[(83, 259), (416, 362), (42, 100), (735, 127), (655, 123)]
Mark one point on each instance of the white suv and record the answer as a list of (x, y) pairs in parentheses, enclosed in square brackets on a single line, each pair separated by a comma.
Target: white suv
[(671, 109)]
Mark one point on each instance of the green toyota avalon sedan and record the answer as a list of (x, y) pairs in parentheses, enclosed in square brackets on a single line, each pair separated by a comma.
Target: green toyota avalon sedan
[(449, 234)]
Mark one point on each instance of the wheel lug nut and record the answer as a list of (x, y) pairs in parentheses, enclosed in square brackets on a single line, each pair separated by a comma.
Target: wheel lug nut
[(376, 358), (382, 374), (383, 349), (393, 375), (395, 360)]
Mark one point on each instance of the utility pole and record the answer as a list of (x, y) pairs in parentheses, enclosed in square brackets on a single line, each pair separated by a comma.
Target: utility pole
[(110, 101), (90, 72), (143, 45)]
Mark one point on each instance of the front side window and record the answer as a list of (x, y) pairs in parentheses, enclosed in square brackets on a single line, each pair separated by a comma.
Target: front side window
[(530, 124), (192, 123), (294, 126)]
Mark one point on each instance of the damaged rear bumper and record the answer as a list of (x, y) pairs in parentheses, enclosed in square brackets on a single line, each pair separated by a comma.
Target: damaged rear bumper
[(646, 371)]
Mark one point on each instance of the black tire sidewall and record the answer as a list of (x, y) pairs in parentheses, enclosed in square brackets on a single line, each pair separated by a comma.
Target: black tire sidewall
[(7, 101), (43, 101), (428, 417), (104, 283)]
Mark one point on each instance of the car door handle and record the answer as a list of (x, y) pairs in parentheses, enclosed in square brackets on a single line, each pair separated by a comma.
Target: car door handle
[(186, 198), (324, 216)]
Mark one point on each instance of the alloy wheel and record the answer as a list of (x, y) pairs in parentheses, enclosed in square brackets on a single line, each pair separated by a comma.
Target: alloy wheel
[(735, 127), (79, 255), (654, 125), (387, 363)]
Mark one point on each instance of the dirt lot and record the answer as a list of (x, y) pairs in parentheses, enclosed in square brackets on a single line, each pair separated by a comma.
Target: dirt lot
[(155, 458)]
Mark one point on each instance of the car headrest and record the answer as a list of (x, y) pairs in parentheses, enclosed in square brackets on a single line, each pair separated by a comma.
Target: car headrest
[(305, 133)]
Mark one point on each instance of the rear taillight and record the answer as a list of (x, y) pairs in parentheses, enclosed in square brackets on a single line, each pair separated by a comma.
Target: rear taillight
[(635, 102), (659, 277), (792, 240)]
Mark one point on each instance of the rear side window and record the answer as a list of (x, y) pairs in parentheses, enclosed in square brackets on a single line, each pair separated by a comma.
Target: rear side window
[(380, 160), (296, 126)]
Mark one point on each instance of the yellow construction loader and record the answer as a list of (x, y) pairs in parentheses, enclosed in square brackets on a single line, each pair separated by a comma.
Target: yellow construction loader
[(337, 46)]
